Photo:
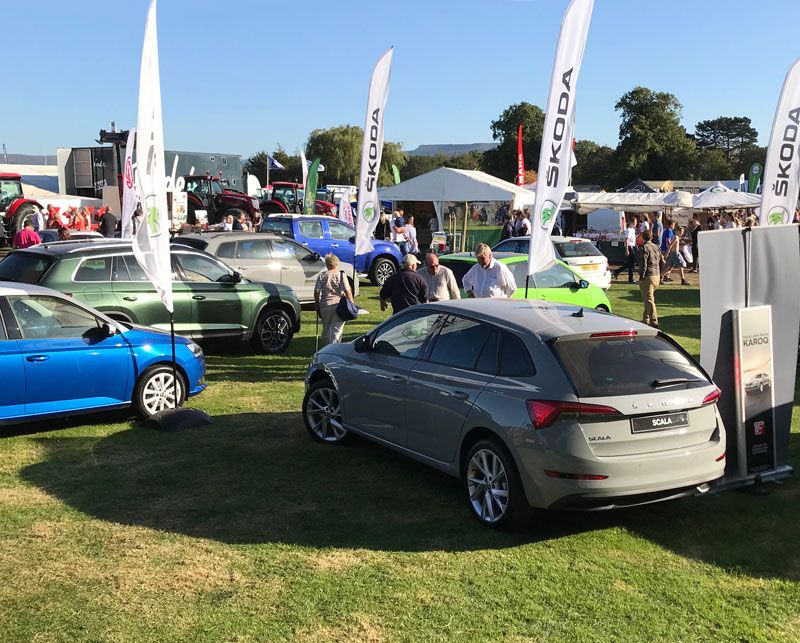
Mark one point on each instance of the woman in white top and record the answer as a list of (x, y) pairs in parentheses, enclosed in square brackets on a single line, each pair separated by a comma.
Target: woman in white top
[(645, 224), (331, 285), (411, 234)]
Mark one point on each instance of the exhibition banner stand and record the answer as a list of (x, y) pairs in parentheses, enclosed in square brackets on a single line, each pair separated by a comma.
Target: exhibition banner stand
[(749, 316)]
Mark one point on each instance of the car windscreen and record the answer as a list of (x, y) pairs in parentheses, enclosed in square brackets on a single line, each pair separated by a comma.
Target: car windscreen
[(601, 366), (24, 267), (576, 249), (277, 226)]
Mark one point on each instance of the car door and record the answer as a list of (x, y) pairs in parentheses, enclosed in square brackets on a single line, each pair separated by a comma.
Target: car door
[(373, 386), (442, 389), (218, 309), (252, 257), (340, 235), (12, 390), (311, 234), (70, 362), (558, 284), (136, 298), (299, 267)]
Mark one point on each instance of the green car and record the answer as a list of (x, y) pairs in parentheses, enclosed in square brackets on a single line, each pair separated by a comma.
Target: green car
[(211, 300), (557, 283)]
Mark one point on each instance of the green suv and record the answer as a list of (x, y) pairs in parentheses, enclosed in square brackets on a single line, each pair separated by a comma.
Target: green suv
[(557, 283), (211, 300)]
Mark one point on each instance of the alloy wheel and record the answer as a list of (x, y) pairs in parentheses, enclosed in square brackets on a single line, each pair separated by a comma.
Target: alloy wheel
[(324, 414), (487, 485), (158, 393), (383, 271), (274, 332)]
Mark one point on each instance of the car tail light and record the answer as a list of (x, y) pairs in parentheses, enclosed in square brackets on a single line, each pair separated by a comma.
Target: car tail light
[(543, 412), (721, 458), (616, 333), (573, 476), (712, 397)]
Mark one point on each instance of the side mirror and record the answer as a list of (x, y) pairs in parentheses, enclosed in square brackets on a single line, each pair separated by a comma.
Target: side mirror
[(352, 239), (361, 345), (583, 283), (236, 277), (315, 256)]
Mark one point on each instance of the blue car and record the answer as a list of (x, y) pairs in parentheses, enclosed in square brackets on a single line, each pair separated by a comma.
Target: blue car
[(59, 357), (326, 234)]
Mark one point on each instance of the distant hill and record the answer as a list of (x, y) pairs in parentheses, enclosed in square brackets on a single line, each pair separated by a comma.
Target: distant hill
[(28, 159), (450, 149)]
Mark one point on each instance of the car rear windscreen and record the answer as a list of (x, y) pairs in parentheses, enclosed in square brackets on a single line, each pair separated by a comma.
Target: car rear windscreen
[(602, 366), (24, 267), (574, 250), (277, 226)]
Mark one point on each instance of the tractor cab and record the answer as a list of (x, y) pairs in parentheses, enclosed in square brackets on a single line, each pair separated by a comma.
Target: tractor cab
[(10, 190)]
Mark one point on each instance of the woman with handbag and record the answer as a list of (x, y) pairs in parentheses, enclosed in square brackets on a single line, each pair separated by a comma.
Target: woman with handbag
[(331, 288)]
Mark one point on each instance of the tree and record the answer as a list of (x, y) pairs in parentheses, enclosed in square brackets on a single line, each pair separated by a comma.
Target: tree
[(594, 164), (339, 148), (257, 165), (750, 155), (502, 160), (711, 164), (731, 134), (653, 143), (416, 165)]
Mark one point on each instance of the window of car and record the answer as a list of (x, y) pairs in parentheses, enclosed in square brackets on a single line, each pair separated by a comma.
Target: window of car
[(94, 269), (340, 230), (515, 361), (574, 249), (226, 250), (252, 249), (40, 317), (405, 336), (311, 229), (624, 365), (197, 268), (132, 270), (460, 343), (25, 267), (287, 250), (556, 276), (277, 226), (511, 245)]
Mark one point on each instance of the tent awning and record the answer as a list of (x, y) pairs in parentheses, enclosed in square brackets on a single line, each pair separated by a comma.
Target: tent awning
[(718, 196), (631, 201)]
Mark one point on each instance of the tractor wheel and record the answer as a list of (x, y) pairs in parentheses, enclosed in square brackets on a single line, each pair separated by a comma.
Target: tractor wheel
[(24, 213)]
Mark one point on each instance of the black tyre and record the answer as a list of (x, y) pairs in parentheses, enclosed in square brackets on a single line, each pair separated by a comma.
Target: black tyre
[(155, 392), (494, 490), (273, 332), (24, 213), (602, 308), (382, 269), (322, 413)]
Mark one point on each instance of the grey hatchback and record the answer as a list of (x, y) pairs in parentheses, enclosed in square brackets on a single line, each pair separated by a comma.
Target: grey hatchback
[(531, 404)]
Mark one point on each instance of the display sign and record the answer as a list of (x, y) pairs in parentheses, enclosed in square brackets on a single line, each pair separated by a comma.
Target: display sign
[(754, 377), (180, 206)]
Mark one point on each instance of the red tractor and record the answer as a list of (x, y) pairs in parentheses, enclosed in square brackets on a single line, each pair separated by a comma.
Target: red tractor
[(15, 209), (288, 197), (207, 193)]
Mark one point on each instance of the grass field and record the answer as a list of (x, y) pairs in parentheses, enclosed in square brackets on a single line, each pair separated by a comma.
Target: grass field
[(248, 530)]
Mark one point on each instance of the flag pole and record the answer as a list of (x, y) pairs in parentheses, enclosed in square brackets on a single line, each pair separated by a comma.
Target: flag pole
[(527, 277), (174, 361)]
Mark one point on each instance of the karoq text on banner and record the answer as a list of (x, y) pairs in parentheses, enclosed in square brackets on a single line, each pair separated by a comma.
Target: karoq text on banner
[(151, 242), (129, 198), (781, 182), (371, 152), (559, 125)]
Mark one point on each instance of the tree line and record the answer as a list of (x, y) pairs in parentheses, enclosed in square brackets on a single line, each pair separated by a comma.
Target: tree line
[(653, 144)]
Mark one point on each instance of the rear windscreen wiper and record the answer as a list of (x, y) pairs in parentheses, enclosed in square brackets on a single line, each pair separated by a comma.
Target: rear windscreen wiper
[(672, 381)]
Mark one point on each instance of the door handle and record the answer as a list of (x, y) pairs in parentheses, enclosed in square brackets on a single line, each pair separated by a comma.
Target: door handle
[(286, 267), (198, 297), (129, 298), (398, 380), (459, 395), (37, 358), (334, 245)]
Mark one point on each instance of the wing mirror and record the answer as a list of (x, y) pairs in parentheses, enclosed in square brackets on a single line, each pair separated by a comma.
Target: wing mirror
[(362, 344), (315, 256), (352, 239), (583, 283)]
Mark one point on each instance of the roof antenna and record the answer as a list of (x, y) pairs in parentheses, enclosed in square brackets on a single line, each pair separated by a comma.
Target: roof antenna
[(578, 313)]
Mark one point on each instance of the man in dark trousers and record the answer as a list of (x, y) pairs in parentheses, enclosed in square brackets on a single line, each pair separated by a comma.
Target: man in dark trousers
[(404, 288), (108, 224), (630, 251)]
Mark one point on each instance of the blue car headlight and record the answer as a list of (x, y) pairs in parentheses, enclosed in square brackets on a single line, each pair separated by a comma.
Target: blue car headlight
[(195, 349)]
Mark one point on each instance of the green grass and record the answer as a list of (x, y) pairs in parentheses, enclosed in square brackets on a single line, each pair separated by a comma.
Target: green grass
[(248, 530)]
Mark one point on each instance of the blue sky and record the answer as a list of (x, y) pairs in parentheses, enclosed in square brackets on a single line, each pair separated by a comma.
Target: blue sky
[(245, 75)]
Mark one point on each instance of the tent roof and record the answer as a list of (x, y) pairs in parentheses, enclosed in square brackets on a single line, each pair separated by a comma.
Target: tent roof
[(720, 196), (637, 185), (632, 201), (449, 184)]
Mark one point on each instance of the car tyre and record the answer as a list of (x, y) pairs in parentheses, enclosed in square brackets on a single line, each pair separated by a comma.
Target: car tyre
[(602, 308), (154, 391), (381, 270), (493, 486), (322, 413), (273, 332)]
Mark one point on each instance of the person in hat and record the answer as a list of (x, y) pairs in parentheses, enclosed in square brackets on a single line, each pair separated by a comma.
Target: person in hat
[(404, 288)]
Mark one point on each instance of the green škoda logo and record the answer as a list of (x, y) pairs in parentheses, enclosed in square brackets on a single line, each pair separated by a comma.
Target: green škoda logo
[(777, 216), (548, 212), (369, 211)]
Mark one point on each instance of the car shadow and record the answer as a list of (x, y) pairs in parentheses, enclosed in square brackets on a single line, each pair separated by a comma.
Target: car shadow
[(255, 478)]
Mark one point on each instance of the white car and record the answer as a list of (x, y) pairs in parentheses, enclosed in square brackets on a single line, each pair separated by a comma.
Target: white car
[(579, 254)]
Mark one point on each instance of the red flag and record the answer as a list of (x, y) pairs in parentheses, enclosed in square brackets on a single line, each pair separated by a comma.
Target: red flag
[(520, 159)]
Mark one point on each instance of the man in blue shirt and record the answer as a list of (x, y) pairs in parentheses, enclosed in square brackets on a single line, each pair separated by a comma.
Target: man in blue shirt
[(657, 228), (668, 236)]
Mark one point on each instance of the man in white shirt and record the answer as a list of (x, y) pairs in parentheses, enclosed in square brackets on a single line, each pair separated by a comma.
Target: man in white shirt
[(525, 224), (630, 252), (488, 277), (440, 279)]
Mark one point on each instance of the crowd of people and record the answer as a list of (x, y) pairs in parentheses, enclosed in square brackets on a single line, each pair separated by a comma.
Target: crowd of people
[(80, 219)]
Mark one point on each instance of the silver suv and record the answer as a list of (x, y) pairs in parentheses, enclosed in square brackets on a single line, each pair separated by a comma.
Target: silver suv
[(530, 404)]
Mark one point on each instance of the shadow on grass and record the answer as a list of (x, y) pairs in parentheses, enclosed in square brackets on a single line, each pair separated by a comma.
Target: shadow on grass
[(254, 478)]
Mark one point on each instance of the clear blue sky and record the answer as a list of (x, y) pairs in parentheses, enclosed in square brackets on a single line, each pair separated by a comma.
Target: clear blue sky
[(236, 75)]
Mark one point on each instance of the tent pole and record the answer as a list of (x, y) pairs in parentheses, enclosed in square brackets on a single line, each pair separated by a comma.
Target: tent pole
[(464, 229), (527, 279)]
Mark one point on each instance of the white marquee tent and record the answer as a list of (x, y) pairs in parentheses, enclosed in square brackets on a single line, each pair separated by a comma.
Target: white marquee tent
[(631, 201), (448, 184), (719, 196)]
